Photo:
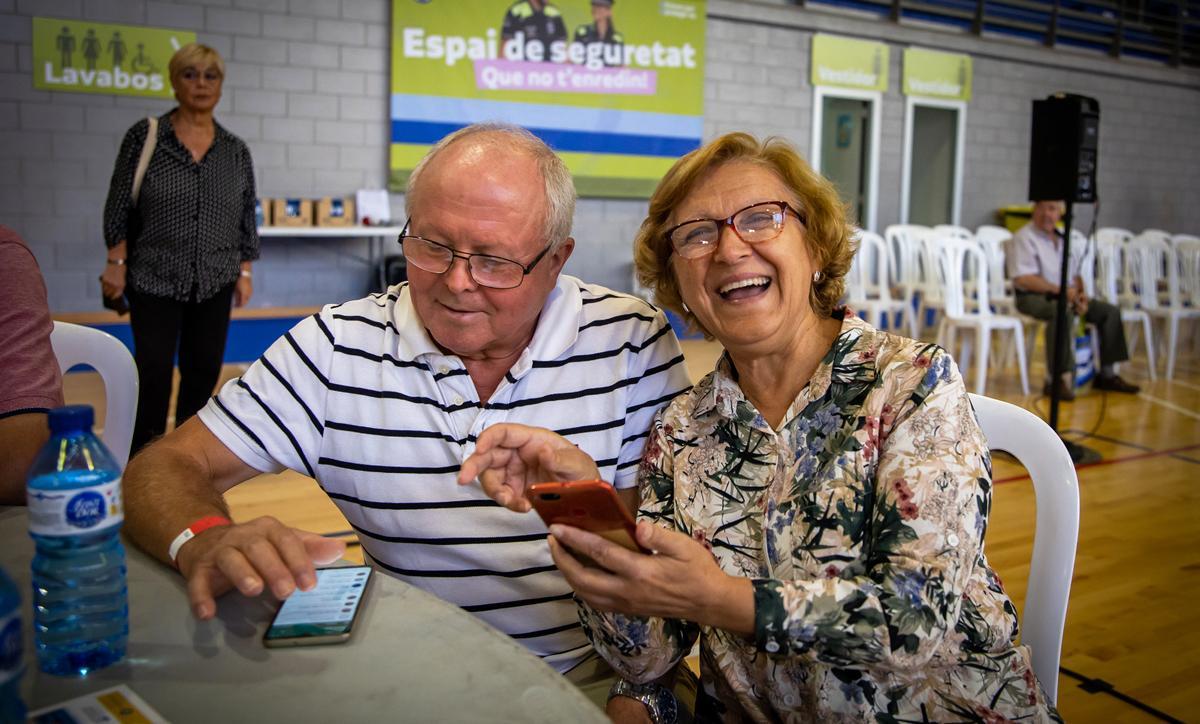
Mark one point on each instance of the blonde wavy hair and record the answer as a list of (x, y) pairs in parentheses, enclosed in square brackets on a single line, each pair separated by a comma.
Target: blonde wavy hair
[(195, 54), (827, 230)]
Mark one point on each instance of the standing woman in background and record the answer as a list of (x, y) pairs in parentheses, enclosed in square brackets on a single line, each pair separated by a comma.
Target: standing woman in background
[(181, 251)]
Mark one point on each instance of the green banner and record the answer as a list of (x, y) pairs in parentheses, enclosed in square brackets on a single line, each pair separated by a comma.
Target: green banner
[(849, 63), (617, 89), (87, 57), (935, 74)]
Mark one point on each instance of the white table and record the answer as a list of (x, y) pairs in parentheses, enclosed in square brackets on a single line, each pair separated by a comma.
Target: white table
[(412, 657), (377, 237)]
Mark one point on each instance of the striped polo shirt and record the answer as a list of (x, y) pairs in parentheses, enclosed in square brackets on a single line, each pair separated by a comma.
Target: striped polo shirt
[(359, 397)]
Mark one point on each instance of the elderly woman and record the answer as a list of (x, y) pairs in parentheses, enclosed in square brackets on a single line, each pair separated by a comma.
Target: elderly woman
[(181, 251), (817, 503)]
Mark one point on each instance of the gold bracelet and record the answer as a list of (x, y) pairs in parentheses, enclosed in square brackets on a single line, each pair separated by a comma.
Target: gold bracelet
[(117, 262)]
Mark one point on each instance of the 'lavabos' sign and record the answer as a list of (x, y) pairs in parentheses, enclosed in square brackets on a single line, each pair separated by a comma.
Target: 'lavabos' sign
[(87, 57)]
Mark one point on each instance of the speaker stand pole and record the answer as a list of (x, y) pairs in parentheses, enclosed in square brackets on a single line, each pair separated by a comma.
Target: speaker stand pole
[(1062, 340)]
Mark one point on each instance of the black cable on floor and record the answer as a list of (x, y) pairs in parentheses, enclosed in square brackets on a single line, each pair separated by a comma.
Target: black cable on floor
[(1044, 413), (1100, 686)]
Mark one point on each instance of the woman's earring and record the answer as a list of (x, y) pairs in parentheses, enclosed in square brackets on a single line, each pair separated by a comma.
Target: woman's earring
[(685, 307), (818, 276)]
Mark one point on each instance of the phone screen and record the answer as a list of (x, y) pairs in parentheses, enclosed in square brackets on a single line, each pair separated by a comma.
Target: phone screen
[(323, 615)]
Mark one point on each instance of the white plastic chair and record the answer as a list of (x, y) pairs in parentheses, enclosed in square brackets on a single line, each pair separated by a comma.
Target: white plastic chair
[(1084, 254), (1149, 256), (1109, 255), (1056, 490), (994, 240), (904, 263), (1187, 254), (955, 231), (1185, 246), (1156, 234), (78, 345), (1120, 237), (953, 257), (931, 282), (867, 284)]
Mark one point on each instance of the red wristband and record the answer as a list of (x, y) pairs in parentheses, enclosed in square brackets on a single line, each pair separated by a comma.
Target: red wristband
[(196, 528)]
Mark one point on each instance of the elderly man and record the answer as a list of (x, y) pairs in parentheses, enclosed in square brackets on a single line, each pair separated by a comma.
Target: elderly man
[(1035, 266), (380, 399)]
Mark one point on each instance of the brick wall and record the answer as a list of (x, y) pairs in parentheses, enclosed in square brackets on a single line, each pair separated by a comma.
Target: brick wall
[(307, 88)]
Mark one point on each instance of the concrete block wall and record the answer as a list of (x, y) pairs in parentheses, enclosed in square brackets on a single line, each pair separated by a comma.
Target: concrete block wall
[(307, 88)]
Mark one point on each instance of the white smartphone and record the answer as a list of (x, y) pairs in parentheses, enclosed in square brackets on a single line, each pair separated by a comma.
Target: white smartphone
[(324, 615)]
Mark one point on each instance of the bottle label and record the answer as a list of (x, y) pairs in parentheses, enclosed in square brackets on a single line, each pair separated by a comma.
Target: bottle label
[(10, 646), (71, 512)]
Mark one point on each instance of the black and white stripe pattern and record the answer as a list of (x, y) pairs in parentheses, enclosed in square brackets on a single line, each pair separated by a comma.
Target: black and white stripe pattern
[(359, 397)]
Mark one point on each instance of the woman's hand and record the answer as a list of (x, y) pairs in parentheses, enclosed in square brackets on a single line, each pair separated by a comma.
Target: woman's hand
[(508, 457), (242, 291), (625, 710), (112, 280), (682, 579)]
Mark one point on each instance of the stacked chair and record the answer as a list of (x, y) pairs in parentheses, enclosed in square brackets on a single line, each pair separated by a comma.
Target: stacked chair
[(960, 277), (958, 258), (1155, 270), (868, 284)]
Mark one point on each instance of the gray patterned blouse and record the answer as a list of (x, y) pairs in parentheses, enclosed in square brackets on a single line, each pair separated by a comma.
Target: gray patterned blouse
[(194, 223)]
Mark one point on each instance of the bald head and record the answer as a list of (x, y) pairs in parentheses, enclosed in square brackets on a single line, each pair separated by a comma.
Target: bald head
[(489, 154), (1046, 215)]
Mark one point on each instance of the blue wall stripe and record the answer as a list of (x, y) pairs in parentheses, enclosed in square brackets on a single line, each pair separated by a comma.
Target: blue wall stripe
[(571, 118), (248, 338), (568, 141)]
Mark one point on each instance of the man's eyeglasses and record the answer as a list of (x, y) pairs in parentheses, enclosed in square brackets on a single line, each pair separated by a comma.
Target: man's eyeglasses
[(759, 222), (486, 270)]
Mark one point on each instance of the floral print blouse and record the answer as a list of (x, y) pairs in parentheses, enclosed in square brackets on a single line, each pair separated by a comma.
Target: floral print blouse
[(860, 521)]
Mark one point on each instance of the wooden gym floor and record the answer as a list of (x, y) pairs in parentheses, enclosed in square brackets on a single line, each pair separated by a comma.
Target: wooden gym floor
[(1132, 643)]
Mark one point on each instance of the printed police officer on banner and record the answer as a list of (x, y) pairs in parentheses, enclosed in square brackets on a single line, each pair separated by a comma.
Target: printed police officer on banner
[(536, 23)]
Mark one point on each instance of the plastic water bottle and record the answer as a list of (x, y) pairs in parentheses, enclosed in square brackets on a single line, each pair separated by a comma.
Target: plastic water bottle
[(80, 605), (11, 662)]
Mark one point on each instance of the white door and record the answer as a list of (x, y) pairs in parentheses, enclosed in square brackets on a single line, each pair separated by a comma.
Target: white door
[(933, 150), (846, 147)]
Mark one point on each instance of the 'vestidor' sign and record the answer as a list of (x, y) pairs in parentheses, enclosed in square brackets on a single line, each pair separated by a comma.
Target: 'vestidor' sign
[(616, 87), (87, 57)]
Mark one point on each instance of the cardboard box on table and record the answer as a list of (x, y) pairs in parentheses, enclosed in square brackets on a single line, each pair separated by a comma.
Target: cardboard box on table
[(292, 212), (335, 212)]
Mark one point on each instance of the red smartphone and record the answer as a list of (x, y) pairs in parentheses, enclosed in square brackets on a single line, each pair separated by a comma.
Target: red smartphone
[(590, 505)]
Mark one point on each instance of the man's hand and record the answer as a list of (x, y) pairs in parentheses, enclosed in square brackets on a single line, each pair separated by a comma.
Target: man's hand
[(509, 457), (681, 580), (252, 557), (1081, 302)]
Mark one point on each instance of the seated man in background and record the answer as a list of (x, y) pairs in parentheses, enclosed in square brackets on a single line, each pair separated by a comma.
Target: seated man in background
[(380, 400), (32, 381), (1035, 266)]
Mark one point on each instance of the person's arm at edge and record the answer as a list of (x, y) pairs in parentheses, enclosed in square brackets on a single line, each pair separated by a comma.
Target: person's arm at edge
[(34, 384), (23, 433)]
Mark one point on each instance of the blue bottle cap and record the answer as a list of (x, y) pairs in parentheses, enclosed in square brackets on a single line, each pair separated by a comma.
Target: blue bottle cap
[(71, 418)]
